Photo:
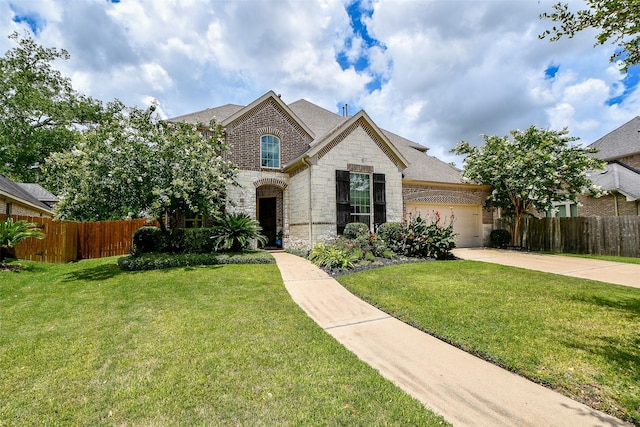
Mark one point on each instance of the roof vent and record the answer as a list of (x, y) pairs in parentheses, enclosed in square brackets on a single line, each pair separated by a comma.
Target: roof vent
[(345, 110)]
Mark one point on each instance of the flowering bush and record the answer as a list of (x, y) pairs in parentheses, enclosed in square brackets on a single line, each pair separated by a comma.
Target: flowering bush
[(426, 239)]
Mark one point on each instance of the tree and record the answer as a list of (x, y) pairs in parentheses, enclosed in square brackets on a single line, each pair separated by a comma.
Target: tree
[(12, 233), (39, 110), (617, 20), (530, 171), (136, 165)]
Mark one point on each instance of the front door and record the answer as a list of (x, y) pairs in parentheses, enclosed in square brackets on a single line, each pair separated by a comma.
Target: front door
[(267, 218)]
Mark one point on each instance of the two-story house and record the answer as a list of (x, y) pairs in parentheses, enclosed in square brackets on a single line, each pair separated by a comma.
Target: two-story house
[(307, 172)]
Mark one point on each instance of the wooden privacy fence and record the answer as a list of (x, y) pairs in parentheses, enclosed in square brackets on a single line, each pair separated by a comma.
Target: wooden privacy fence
[(67, 241), (615, 235)]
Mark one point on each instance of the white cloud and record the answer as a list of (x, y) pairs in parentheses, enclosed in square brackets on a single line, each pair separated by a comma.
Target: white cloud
[(450, 70)]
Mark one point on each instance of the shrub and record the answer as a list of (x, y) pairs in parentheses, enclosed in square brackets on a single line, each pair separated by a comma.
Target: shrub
[(235, 232), (353, 230), (499, 238), (391, 233), (147, 240), (425, 239), (331, 257), (157, 261), (198, 240)]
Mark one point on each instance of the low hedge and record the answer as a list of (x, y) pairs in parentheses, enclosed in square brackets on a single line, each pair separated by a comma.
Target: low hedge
[(161, 261)]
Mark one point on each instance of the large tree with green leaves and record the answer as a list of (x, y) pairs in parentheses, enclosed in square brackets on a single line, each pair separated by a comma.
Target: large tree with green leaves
[(39, 110), (529, 171), (137, 165), (617, 20)]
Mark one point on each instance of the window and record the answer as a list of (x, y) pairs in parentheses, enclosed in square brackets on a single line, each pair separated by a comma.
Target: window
[(8, 208), (269, 151), (354, 201), (563, 210), (360, 197)]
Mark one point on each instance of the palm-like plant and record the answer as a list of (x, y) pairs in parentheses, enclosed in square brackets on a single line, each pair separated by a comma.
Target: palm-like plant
[(236, 232), (11, 233)]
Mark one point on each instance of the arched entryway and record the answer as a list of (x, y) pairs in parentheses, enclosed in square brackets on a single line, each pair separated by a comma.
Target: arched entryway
[(269, 206)]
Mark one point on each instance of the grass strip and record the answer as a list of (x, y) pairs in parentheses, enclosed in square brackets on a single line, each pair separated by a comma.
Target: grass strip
[(577, 336), (89, 344)]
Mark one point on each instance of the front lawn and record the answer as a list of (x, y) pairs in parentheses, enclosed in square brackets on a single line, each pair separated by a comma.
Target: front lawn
[(577, 336), (89, 344), (628, 260)]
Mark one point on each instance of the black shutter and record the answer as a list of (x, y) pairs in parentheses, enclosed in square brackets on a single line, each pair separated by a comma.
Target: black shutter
[(379, 200), (343, 208)]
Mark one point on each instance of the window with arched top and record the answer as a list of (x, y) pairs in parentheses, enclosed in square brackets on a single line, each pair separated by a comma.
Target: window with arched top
[(270, 151)]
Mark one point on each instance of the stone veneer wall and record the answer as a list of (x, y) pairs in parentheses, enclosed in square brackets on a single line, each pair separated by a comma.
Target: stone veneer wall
[(358, 148), (243, 135), (606, 206)]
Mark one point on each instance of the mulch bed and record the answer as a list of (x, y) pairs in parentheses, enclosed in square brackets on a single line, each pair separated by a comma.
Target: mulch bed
[(10, 267), (379, 262)]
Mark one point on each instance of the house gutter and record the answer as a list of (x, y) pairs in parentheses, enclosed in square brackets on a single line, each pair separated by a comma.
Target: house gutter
[(305, 160)]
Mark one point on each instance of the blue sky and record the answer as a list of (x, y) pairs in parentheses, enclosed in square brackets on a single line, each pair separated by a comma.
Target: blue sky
[(434, 71)]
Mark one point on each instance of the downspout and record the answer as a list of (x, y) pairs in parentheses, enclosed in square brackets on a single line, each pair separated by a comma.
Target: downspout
[(615, 203), (305, 160)]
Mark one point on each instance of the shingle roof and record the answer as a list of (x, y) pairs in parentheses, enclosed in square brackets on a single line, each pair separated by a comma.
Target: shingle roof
[(205, 116), (18, 192), (40, 193), (618, 177), (422, 167), (619, 143)]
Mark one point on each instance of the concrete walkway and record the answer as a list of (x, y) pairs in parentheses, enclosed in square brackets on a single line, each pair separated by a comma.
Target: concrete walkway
[(464, 389), (605, 271)]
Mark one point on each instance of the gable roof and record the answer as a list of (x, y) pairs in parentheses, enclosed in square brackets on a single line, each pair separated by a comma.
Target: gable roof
[(322, 125), (16, 192), (324, 141), (620, 142), (618, 177)]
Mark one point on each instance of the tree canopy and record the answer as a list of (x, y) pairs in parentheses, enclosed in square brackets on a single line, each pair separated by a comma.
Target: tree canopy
[(136, 165), (39, 110), (617, 20), (529, 171)]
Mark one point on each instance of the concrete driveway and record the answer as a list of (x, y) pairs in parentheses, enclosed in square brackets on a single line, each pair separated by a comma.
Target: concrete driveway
[(604, 271)]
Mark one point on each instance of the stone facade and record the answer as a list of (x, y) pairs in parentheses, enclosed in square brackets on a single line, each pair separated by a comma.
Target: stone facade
[(355, 151)]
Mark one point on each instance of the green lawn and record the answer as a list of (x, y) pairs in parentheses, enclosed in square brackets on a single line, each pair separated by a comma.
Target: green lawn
[(87, 344), (628, 260), (577, 336)]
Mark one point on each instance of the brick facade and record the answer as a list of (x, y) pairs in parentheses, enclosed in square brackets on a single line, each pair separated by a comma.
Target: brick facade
[(243, 136), (607, 205), (443, 195), (633, 161), (17, 208)]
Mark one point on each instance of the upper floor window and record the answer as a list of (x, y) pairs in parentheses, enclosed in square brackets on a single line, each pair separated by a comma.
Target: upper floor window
[(270, 151)]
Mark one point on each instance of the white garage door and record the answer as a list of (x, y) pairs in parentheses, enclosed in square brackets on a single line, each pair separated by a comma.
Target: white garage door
[(468, 220)]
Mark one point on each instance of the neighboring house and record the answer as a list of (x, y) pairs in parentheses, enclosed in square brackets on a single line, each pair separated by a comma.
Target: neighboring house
[(25, 199), (308, 172), (620, 177)]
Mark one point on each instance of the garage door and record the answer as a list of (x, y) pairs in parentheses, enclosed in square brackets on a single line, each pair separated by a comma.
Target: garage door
[(468, 220)]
